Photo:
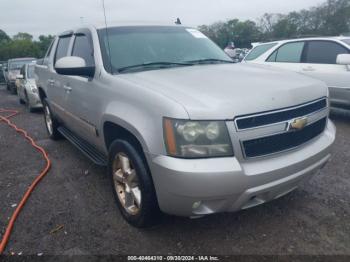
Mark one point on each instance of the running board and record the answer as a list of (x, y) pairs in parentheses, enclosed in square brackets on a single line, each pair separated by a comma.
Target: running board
[(88, 150)]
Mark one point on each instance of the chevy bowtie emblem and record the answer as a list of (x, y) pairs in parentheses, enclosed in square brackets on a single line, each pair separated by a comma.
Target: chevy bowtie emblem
[(298, 124)]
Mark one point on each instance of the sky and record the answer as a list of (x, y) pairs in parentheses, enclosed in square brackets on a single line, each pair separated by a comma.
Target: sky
[(53, 16)]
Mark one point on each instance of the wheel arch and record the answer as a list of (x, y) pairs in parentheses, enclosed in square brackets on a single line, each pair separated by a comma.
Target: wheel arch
[(113, 131), (42, 93)]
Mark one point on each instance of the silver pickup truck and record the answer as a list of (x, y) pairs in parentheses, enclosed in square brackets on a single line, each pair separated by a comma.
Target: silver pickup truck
[(181, 128)]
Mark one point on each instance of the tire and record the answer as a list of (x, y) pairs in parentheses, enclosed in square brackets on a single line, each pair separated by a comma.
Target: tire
[(13, 90), (148, 212), (52, 128)]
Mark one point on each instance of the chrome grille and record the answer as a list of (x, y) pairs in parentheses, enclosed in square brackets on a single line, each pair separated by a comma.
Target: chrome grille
[(269, 133), (281, 142), (268, 118)]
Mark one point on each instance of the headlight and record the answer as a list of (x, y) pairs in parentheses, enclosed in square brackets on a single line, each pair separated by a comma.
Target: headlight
[(34, 89), (197, 139)]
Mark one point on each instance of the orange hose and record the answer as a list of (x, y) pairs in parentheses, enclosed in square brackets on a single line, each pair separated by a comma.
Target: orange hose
[(26, 196)]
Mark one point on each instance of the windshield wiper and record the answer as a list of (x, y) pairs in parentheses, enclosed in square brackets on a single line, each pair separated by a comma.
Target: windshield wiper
[(152, 64), (210, 61)]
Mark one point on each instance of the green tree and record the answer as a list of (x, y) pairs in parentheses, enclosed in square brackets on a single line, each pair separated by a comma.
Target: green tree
[(4, 38), (44, 43), (23, 36), (240, 32), (22, 45), (327, 19)]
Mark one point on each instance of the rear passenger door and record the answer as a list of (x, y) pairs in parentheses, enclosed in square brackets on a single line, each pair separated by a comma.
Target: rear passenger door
[(320, 63), (288, 56)]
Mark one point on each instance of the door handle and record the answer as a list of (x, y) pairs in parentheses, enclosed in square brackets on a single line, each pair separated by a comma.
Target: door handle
[(67, 88), (51, 81), (309, 69)]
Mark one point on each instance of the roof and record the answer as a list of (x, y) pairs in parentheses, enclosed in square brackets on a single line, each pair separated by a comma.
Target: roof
[(134, 23), (118, 24), (21, 59), (338, 38)]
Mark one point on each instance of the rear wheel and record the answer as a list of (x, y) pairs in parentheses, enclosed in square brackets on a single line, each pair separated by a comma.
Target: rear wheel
[(132, 185), (50, 122)]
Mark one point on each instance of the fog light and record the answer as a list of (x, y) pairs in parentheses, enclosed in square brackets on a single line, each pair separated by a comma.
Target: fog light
[(196, 204)]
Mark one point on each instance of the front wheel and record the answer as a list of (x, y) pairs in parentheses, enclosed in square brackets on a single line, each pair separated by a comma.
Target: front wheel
[(132, 185), (50, 122), (13, 90), (21, 101)]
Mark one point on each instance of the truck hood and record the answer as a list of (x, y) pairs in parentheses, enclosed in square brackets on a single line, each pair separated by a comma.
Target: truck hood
[(224, 91)]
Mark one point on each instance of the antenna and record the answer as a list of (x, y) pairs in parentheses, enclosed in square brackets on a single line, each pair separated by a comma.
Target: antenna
[(178, 21), (107, 35)]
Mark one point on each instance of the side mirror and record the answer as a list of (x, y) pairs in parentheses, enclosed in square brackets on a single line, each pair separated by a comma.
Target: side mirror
[(343, 59), (19, 76), (74, 66)]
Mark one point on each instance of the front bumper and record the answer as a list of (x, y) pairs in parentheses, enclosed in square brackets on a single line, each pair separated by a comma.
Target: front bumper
[(206, 186)]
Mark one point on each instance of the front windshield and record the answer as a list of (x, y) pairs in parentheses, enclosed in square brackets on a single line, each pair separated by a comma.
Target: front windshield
[(30, 73), (17, 65), (139, 45)]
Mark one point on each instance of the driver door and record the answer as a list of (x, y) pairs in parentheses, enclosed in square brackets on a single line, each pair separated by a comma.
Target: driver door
[(80, 92)]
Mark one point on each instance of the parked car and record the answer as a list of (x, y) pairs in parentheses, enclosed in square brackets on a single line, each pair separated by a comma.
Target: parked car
[(14, 66), (27, 90), (326, 59), (181, 128), (2, 70)]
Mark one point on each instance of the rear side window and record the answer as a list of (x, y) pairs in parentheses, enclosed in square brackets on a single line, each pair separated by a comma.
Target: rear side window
[(258, 51), (288, 53), (82, 48), (324, 52), (22, 72), (62, 47)]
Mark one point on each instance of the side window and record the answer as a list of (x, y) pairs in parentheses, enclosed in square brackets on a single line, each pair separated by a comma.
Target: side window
[(62, 47), (22, 72), (324, 52), (258, 51), (82, 48), (288, 53)]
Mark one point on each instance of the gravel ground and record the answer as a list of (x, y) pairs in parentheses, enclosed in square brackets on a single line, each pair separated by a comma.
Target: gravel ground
[(76, 199)]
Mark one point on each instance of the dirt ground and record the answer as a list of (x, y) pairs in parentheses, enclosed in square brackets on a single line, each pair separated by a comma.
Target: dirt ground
[(76, 199)]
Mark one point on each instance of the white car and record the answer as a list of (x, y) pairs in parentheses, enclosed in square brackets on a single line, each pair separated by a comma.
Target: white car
[(26, 89), (327, 59)]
